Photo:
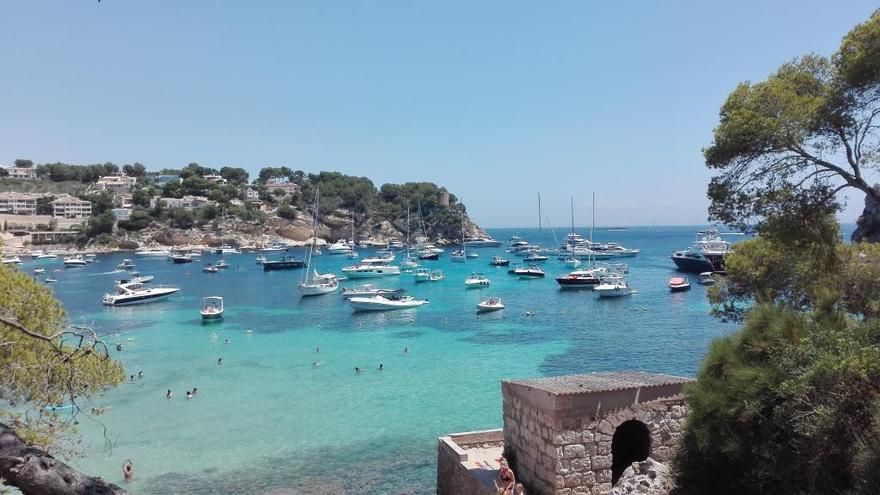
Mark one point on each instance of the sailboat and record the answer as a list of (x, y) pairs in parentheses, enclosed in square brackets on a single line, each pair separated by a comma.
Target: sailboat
[(352, 254), (409, 263), (313, 284), (460, 255), (572, 260)]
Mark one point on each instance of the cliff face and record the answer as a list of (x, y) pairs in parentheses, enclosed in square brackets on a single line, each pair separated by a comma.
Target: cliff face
[(868, 223)]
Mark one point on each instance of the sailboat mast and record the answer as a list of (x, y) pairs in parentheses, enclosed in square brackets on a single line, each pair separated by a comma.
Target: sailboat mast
[(572, 214), (407, 230), (592, 228), (540, 225)]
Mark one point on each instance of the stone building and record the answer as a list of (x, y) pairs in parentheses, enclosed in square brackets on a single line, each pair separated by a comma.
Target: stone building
[(572, 435)]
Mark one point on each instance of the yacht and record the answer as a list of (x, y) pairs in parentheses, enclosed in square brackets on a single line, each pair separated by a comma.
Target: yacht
[(339, 247), (383, 303), (572, 262), (285, 263), (536, 258), (40, 255), (212, 308), (679, 284), (476, 281), (491, 304), (499, 261), (532, 271), (181, 258), (613, 286), (368, 290), (706, 278), (481, 242), (579, 279), (472, 255), (224, 264), (137, 293), (153, 252), (371, 267), (273, 248), (705, 255), (15, 260), (77, 260), (428, 255)]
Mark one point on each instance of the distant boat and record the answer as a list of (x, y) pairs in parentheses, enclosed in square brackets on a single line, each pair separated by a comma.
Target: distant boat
[(499, 261), (181, 258), (73, 261), (39, 270), (136, 293), (613, 286), (532, 271), (209, 268), (313, 284), (285, 263), (458, 256), (15, 260), (368, 290), (126, 265), (706, 278), (383, 303), (152, 252), (476, 281), (491, 304), (51, 280), (481, 242), (212, 308), (260, 259), (679, 284)]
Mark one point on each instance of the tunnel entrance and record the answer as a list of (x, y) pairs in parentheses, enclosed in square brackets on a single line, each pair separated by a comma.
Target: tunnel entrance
[(631, 442)]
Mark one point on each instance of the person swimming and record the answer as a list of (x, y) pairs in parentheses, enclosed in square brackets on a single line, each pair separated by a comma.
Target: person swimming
[(168, 394), (195, 390), (357, 370), (406, 349), (141, 374), (226, 341), (317, 349), (381, 366), (220, 361), (128, 470), (118, 347), (189, 395), (131, 378)]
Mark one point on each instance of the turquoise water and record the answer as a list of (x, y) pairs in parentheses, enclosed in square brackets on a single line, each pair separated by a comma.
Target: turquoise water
[(267, 418)]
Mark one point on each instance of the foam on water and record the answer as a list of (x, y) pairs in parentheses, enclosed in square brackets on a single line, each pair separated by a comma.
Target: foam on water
[(268, 419)]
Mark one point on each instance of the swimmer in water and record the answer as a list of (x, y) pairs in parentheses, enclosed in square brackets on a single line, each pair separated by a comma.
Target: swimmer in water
[(168, 394), (226, 342), (189, 395), (357, 370), (406, 349), (118, 347), (140, 374), (317, 349), (195, 390), (220, 361), (131, 377), (128, 470), (381, 366)]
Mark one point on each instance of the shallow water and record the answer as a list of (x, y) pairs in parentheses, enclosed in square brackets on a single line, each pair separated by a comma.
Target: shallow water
[(268, 419)]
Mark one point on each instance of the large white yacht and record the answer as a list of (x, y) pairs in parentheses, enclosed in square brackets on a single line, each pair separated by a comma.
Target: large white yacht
[(385, 303), (137, 293), (370, 270), (339, 247), (153, 252), (481, 242), (77, 260)]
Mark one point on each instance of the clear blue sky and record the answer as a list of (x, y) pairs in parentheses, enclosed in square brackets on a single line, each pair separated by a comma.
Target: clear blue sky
[(496, 100)]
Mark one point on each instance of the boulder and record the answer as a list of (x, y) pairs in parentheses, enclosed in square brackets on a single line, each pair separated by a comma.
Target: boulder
[(647, 477)]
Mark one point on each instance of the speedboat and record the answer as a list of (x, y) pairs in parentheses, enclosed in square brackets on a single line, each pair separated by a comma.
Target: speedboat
[(366, 269), (532, 271), (706, 278), (125, 265), (476, 281), (153, 252), (77, 260), (429, 255), (340, 247), (679, 284), (367, 290), (212, 308), (491, 304), (39, 270), (91, 258), (15, 260), (40, 255), (613, 286), (579, 279), (423, 275), (383, 303), (472, 255), (228, 250), (224, 264), (273, 248), (137, 293), (51, 280), (499, 261), (209, 268), (536, 258), (481, 242), (181, 258), (436, 276)]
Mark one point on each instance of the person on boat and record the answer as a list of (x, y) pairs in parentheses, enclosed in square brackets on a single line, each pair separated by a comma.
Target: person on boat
[(189, 395), (506, 480), (128, 470), (168, 394)]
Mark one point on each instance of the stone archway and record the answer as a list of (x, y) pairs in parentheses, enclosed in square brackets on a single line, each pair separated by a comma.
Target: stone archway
[(631, 442)]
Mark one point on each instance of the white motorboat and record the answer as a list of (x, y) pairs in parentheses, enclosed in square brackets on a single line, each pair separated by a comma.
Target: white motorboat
[(209, 268), (472, 255), (153, 252), (572, 262), (91, 258), (368, 290), (476, 281), (212, 308), (679, 284), (51, 280), (499, 261), (273, 248), (458, 256), (15, 260), (39, 270), (481, 242), (533, 271), (226, 249), (339, 247), (40, 255), (383, 303), (536, 258), (613, 286), (137, 278), (125, 265), (491, 304), (371, 268), (436, 276), (77, 260), (706, 278), (222, 264), (137, 293)]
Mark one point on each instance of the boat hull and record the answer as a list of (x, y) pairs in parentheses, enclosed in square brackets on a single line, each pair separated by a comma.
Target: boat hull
[(699, 265), (269, 266), (368, 305), (581, 283), (308, 290), (679, 288), (144, 299)]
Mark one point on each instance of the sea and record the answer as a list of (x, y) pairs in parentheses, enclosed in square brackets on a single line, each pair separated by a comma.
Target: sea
[(286, 412)]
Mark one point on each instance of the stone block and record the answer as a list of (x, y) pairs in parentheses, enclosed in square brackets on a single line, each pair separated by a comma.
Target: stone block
[(574, 480), (587, 436), (565, 437), (603, 448), (601, 462), (581, 465), (574, 451)]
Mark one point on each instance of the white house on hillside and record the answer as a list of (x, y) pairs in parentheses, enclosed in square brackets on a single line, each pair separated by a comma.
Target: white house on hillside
[(22, 173), (70, 207), (18, 203)]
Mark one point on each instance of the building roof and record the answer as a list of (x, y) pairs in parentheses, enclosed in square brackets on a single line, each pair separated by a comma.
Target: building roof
[(600, 382), (17, 195), (69, 199)]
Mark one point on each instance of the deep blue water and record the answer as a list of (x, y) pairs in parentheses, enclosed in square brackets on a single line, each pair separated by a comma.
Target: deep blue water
[(268, 419)]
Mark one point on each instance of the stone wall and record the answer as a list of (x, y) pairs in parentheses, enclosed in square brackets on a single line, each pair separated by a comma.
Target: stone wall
[(454, 476)]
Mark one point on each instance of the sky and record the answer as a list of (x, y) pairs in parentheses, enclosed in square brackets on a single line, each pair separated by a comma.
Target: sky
[(495, 100)]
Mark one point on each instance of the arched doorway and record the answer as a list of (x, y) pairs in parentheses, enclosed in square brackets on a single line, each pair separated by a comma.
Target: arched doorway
[(631, 442)]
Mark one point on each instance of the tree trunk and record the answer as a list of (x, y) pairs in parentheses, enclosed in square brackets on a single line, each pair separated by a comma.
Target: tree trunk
[(35, 472)]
